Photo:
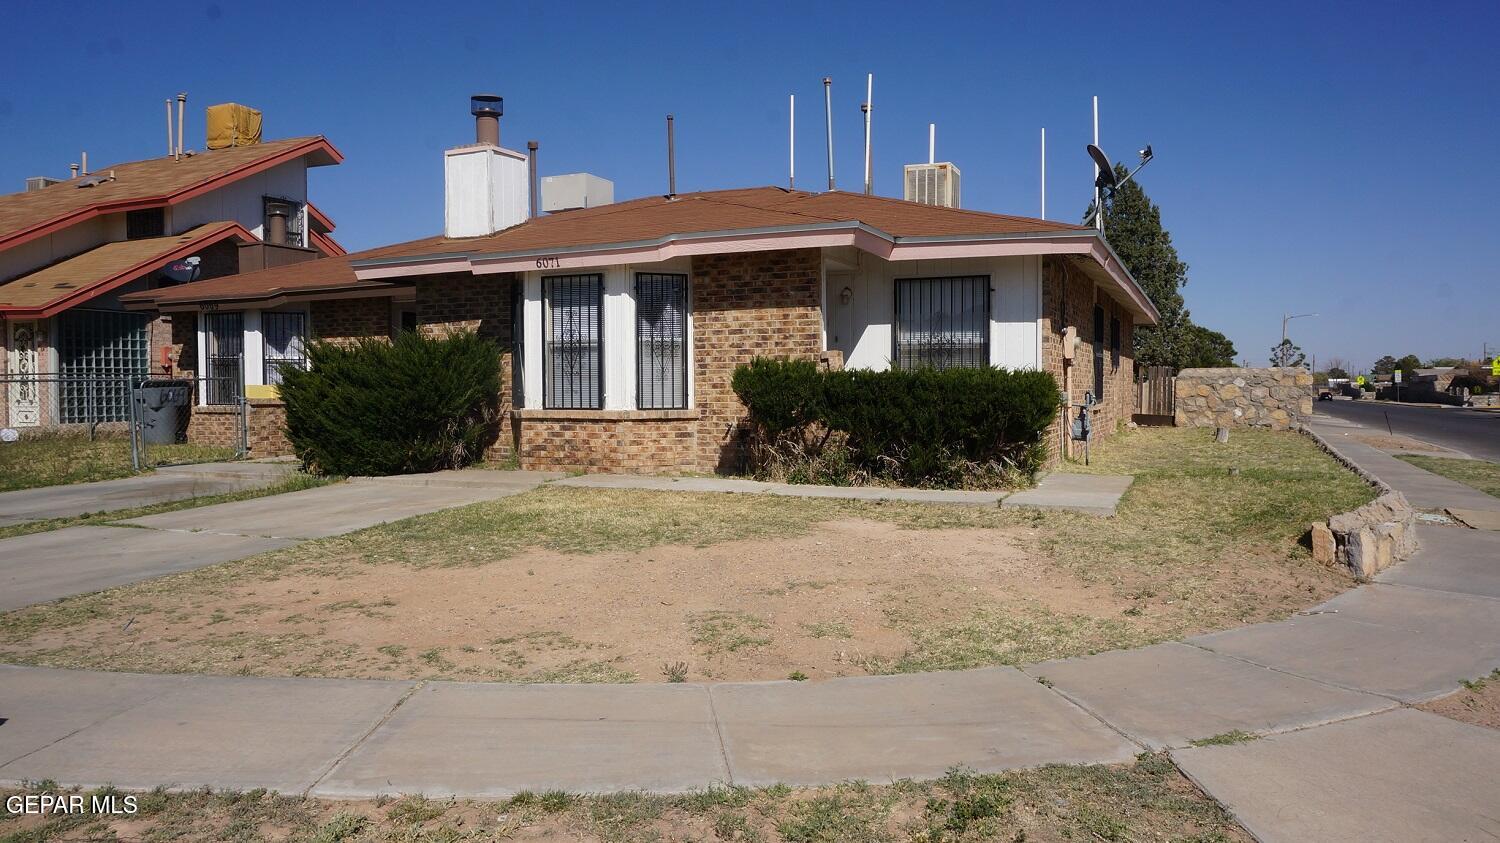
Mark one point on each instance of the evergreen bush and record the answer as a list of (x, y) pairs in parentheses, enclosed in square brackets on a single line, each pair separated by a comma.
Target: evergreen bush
[(412, 405), (922, 427)]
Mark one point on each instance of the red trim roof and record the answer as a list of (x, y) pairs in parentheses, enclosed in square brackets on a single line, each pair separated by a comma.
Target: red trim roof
[(146, 184), (116, 263)]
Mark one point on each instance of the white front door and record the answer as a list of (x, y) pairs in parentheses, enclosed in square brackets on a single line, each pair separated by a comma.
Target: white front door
[(25, 391)]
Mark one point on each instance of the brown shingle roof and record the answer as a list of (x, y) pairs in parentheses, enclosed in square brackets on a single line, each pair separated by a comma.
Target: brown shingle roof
[(638, 219), (725, 210), (149, 183), (321, 274), (106, 267)]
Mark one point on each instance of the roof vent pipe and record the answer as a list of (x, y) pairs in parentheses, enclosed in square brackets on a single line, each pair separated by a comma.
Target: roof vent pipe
[(671, 162), (72, 171), (171, 145), (531, 148), (487, 109), (828, 120), (181, 103)]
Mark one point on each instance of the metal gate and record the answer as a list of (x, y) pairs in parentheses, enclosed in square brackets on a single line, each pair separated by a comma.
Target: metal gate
[(1156, 393)]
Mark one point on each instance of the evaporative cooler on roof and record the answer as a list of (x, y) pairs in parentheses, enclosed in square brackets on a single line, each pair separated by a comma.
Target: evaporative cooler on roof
[(933, 184)]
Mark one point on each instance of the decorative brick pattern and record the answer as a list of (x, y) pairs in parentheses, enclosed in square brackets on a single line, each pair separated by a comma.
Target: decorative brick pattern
[(747, 305), (1068, 299)]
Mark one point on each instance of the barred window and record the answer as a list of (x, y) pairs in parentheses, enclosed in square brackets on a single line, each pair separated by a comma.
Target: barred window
[(942, 322), (224, 352), (150, 222), (1114, 340), (573, 344), (99, 353), (661, 341), (284, 336)]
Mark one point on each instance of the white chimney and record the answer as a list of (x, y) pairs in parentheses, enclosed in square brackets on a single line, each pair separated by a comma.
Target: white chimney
[(485, 186)]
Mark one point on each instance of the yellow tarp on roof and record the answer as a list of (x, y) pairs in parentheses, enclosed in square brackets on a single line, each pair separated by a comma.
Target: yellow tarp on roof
[(232, 124)]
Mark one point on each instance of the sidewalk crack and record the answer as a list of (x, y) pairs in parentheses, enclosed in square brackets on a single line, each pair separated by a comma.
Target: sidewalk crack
[(358, 742), (713, 712)]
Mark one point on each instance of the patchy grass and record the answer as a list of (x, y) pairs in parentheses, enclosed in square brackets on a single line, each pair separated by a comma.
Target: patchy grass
[(1480, 474), (293, 483), (1225, 739), (1476, 702), (1147, 800), (54, 459), (587, 585)]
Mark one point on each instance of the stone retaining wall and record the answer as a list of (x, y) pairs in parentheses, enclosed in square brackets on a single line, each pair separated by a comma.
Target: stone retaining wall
[(1371, 538), (1279, 399)]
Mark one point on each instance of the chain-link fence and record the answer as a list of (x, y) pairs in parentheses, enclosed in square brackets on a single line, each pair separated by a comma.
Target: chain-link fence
[(120, 422)]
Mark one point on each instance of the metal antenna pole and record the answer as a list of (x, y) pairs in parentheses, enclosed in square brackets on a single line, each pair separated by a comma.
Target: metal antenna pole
[(791, 152), (828, 119), (1098, 191), (1044, 172)]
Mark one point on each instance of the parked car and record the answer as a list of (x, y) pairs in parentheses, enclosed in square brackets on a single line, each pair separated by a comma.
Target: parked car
[(1325, 395)]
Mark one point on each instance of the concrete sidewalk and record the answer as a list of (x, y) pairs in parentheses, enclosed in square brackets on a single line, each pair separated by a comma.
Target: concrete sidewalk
[(166, 484), (77, 560), (1423, 489), (794, 490)]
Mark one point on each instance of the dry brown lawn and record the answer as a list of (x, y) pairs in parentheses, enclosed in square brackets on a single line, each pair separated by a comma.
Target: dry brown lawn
[(576, 585)]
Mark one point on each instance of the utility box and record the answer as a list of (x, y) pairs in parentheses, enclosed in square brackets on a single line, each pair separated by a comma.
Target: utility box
[(574, 191)]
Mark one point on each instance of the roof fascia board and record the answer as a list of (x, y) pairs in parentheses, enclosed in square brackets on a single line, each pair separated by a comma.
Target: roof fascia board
[(1104, 255), (125, 276), (140, 203), (275, 298)]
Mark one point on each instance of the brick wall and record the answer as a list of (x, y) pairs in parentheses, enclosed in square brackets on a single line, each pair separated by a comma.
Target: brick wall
[(343, 321), (1068, 299), (628, 442), (756, 304), (480, 303)]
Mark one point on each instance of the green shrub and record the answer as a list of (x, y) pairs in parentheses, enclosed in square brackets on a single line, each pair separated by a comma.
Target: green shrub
[(958, 427), (376, 408)]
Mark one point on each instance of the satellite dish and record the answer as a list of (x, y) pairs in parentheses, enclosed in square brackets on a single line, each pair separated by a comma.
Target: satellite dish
[(1106, 169)]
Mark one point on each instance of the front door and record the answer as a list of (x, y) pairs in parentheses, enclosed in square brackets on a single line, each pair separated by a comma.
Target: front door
[(841, 333), (21, 381)]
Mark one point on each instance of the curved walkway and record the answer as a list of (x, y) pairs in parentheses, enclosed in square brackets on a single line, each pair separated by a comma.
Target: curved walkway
[(1342, 757)]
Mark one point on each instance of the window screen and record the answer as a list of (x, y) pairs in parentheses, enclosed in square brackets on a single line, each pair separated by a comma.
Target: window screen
[(224, 353), (1114, 340), (150, 222), (573, 352), (661, 341), (1098, 353), (99, 353), (285, 341), (942, 322)]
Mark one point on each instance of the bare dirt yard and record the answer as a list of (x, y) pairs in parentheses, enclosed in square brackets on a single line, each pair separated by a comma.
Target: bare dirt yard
[(581, 585), (1477, 702), (1147, 800)]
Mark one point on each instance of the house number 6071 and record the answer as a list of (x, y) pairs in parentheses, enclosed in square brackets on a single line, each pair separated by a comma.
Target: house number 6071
[(548, 263)]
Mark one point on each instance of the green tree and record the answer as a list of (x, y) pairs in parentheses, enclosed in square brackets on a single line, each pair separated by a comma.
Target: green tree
[(1132, 225), (1287, 353), (1409, 365), (1337, 372), (1384, 366), (1205, 349), (1439, 362)]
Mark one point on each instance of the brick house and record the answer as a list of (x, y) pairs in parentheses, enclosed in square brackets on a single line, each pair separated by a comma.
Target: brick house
[(71, 249), (621, 324)]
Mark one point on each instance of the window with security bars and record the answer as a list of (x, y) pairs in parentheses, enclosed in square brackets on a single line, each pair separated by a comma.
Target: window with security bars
[(942, 322), (224, 354), (284, 336), (573, 342), (150, 222), (1114, 340), (100, 352), (661, 341)]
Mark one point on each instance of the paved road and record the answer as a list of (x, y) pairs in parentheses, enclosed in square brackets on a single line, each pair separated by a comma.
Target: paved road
[(1473, 432)]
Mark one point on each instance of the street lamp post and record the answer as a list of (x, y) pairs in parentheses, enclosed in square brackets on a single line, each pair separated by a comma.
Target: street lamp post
[(1285, 318)]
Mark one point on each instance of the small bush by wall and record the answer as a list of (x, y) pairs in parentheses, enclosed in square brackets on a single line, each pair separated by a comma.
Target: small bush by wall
[(376, 407), (924, 427)]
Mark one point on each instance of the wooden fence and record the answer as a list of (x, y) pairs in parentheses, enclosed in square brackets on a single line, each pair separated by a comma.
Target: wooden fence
[(1156, 391)]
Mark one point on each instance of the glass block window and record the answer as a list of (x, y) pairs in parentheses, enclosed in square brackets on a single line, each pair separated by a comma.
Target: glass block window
[(573, 342), (284, 337), (99, 353), (942, 322), (661, 341), (224, 353)]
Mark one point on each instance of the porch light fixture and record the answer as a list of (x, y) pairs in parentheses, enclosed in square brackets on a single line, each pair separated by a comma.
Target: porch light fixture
[(846, 295)]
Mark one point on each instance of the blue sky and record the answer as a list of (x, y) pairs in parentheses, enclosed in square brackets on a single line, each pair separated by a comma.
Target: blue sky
[(1328, 157)]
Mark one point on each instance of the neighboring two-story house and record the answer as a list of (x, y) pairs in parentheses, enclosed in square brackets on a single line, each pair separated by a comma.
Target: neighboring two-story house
[(70, 248)]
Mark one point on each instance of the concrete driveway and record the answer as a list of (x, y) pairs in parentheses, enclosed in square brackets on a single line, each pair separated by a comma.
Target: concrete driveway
[(77, 560), (166, 484)]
